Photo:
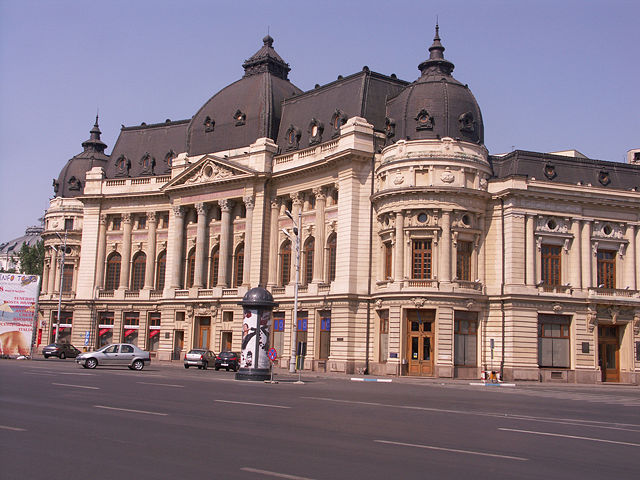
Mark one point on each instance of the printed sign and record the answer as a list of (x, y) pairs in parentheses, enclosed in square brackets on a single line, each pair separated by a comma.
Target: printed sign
[(18, 300), (252, 341)]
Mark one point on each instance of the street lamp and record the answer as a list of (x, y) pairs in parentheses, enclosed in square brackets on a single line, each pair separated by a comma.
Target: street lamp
[(64, 251), (296, 230)]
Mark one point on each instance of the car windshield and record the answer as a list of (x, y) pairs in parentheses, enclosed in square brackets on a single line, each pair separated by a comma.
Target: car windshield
[(227, 354), (198, 351)]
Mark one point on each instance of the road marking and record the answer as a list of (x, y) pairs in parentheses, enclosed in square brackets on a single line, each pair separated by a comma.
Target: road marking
[(161, 384), (274, 474), (15, 429), (55, 374), (383, 380), (570, 436), (76, 386), (254, 404), (130, 410), (454, 450)]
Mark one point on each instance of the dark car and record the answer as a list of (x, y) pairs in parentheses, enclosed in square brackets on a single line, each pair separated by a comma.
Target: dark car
[(199, 357), (60, 350), (228, 361)]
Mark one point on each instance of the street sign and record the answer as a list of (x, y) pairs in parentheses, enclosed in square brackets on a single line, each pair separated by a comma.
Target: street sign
[(273, 354)]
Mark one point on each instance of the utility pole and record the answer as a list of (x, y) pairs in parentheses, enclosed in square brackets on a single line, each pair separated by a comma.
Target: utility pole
[(297, 231), (64, 251)]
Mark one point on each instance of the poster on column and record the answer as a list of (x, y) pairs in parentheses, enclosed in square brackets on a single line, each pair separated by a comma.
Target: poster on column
[(250, 328), (18, 300)]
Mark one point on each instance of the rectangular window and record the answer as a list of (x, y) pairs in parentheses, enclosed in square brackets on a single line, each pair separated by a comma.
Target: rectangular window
[(388, 259), (421, 259), (325, 335), (67, 277), (154, 331), (463, 260), (68, 223), (383, 315), (142, 222), (278, 332), (130, 328), (115, 223), (550, 265), (105, 329), (553, 340), (465, 337), (302, 327), (606, 269)]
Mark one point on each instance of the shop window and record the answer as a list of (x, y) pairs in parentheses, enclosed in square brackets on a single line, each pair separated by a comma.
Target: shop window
[(332, 251), (285, 263), (463, 260), (191, 268), (161, 270), (308, 260), (301, 330), (465, 339), (130, 328), (421, 256), (66, 324), (105, 329), (238, 266), (553, 340), (383, 316), (606, 269), (278, 332), (67, 278), (213, 270), (112, 279), (550, 265), (325, 335), (138, 271), (154, 331)]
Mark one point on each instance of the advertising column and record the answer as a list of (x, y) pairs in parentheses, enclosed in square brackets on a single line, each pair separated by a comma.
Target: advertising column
[(18, 305)]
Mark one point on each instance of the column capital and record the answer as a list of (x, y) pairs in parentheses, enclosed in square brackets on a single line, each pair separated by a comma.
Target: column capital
[(226, 204), (296, 197), (275, 203), (151, 217), (202, 208), (320, 193), (249, 202), (178, 211), (103, 219), (126, 217)]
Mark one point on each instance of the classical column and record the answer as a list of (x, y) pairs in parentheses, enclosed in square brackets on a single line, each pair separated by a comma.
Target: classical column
[(201, 240), (53, 269), (45, 276), (318, 253), (445, 258), (151, 251), (585, 239), (102, 248), (399, 260), (273, 243), (630, 260), (249, 203), (225, 238), (125, 266), (575, 278), (637, 259), (530, 261), (481, 249), (178, 240)]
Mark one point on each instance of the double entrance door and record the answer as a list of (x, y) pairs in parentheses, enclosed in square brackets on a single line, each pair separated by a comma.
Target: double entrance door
[(609, 352), (420, 341)]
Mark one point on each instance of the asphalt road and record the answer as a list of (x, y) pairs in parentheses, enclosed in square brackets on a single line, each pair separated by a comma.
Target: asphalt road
[(61, 421)]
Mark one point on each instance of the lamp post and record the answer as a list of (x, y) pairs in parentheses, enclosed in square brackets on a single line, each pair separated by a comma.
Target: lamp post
[(64, 251), (297, 231)]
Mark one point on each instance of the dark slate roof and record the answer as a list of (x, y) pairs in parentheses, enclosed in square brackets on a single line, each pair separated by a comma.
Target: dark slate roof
[(436, 105), (245, 110), (30, 237), (147, 149), (567, 170), (362, 94), (70, 182)]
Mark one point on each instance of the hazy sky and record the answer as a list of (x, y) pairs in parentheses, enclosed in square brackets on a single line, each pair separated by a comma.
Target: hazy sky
[(548, 75)]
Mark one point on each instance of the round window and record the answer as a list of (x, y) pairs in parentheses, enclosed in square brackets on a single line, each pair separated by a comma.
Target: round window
[(607, 230), (551, 224), (422, 217), (466, 220)]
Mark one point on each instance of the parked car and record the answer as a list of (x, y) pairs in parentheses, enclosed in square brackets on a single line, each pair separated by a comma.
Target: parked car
[(115, 354), (60, 350), (227, 360), (199, 357)]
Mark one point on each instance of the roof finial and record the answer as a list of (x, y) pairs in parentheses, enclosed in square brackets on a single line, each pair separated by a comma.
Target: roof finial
[(436, 56)]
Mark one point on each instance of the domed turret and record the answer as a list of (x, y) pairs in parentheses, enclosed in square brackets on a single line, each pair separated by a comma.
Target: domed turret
[(245, 110), (436, 105), (70, 182)]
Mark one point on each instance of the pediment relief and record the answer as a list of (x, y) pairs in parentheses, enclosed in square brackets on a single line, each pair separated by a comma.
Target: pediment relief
[(210, 170)]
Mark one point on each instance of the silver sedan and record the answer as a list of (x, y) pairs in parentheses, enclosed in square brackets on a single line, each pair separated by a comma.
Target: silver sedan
[(115, 354)]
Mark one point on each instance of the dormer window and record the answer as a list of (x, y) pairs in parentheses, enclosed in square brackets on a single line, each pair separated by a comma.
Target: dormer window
[(390, 127), (209, 125), (293, 137), (424, 120), (550, 171), (123, 165), (467, 124), (315, 131), (338, 119), (240, 118), (604, 178)]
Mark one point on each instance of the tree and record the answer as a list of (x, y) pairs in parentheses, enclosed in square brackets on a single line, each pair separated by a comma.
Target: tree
[(32, 258)]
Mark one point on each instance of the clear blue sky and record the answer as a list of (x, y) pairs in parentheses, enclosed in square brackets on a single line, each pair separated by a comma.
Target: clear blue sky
[(548, 75)]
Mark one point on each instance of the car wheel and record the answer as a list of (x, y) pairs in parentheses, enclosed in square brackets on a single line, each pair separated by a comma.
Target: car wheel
[(217, 368), (205, 365), (186, 366), (227, 369), (91, 363), (46, 356), (84, 366), (138, 365), (62, 356)]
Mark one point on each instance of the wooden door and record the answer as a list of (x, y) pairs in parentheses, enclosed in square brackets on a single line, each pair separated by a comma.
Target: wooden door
[(609, 352), (420, 342)]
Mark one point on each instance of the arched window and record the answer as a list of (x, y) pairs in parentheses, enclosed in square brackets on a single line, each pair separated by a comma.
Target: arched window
[(138, 271), (308, 260), (213, 270), (161, 270), (191, 268), (331, 257), (112, 276), (285, 263), (238, 265)]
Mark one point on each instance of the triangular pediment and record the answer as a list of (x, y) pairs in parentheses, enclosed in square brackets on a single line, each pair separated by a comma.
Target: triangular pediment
[(211, 170)]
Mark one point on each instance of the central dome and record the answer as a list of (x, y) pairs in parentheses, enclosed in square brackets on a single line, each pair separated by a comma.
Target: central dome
[(436, 105)]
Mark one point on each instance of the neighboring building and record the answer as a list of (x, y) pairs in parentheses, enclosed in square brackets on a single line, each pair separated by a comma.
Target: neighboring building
[(421, 253), (10, 251)]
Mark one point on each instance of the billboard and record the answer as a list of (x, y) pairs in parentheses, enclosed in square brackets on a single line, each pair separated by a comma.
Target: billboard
[(18, 305)]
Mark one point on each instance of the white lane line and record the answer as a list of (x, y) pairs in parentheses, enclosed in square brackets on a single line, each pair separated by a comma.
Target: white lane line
[(254, 404), (274, 474), (161, 384), (56, 374), (76, 386), (15, 429), (130, 410), (454, 450), (570, 436)]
